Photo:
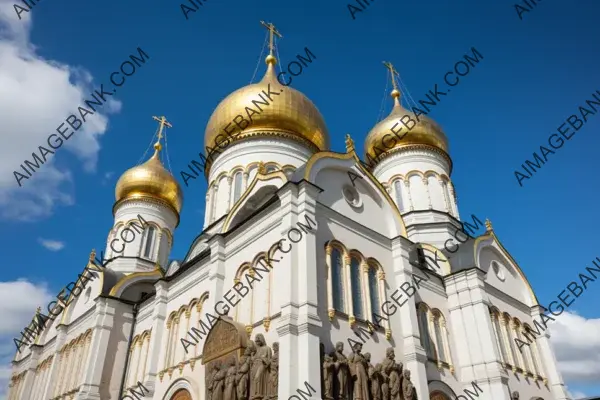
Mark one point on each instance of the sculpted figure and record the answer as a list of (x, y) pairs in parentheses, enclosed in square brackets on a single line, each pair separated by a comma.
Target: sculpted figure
[(376, 383), (210, 380), (341, 371), (219, 384), (408, 390), (360, 377), (259, 371), (274, 373), (394, 382), (243, 375), (515, 395), (328, 372), (230, 378)]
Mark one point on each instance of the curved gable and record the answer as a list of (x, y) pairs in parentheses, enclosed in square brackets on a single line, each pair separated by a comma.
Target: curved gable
[(334, 170), (488, 250)]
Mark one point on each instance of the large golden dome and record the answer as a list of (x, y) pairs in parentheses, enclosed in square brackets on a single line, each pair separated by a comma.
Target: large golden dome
[(150, 180), (289, 115), (426, 132)]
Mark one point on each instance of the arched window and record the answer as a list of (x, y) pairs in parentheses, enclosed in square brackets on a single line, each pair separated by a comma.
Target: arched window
[(357, 293), (439, 340), (373, 292), (398, 191), (237, 186), (337, 276), (511, 339), (149, 241), (425, 334), (499, 339)]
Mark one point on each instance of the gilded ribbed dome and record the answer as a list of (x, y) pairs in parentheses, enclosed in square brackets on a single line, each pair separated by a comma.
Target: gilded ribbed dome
[(290, 114), (425, 132), (150, 180)]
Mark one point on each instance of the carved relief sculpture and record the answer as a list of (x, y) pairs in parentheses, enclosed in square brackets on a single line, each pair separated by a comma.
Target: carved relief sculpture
[(230, 378), (358, 368), (408, 390), (219, 383), (210, 380), (328, 373), (243, 374), (341, 372), (259, 376), (274, 373), (376, 383)]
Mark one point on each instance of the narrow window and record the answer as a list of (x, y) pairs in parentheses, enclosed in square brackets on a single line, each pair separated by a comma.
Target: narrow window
[(149, 241), (338, 284), (237, 186), (357, 293), (398, 190), (373, 292)]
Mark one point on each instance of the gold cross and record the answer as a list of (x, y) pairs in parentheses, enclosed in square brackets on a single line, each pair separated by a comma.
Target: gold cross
[(272, 30), (393, 73), (163, 122)]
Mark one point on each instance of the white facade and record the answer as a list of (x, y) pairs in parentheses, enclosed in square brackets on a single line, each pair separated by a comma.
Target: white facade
[(126, 326)]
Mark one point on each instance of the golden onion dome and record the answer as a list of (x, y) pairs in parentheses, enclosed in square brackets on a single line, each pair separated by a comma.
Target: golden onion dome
[(289, 115), (150, 180), (426, 132)]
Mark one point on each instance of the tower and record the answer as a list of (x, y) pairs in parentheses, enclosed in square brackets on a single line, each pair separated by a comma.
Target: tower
[(146, 212), (408, 153), (263, 122)]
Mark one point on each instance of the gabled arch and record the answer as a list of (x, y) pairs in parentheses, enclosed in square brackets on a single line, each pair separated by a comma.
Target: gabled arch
[(311, 170), (137, 277)]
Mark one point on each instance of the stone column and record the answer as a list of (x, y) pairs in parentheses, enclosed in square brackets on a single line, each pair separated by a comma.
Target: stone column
[(415, 358), (549, 363), (213, 204), (426, 184), (230, 194), (477, 353), (410, 202)]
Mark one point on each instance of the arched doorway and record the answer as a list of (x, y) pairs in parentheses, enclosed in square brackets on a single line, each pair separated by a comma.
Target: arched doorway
[(182, 394), (437, 395)]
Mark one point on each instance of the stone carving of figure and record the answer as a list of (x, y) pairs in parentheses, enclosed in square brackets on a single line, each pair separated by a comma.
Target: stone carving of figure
[(328, 372), (408, 390), (219, 383), (259, 371), (210, 380), (274, 373), (515, 395), (230, 381), (243, 374), (376, 383), (341, 371), (360, 378), (392, 386)]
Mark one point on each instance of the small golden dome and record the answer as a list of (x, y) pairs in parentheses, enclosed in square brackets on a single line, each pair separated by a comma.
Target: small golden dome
[(425, 132), (290, 114), (150, 180)]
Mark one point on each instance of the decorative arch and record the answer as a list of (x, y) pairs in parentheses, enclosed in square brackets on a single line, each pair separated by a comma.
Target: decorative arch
[(261, 176), (441, 257), (311, 170), (490, 237), (439, 390), (435, 336), (137, 277), (181, 389)]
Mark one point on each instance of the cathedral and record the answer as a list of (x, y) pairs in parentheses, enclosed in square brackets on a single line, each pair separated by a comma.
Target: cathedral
[(282, 295)]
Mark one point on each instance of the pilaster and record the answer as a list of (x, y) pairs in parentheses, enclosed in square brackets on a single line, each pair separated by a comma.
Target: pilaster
[(414, 357), (53, 378), (103, 325), (478, 358), (30, 374), (156, 346), (549, 363)]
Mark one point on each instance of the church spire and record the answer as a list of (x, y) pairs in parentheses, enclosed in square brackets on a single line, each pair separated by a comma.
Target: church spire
[(162, 123), (393, 73)]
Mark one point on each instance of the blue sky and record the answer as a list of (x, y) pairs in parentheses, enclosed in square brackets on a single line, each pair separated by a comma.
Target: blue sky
[(534, 74)]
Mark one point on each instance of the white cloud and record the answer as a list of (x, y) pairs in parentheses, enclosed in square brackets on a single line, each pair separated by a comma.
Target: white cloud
[(15, 316), (52, 245), (576, 343), (36, 96)]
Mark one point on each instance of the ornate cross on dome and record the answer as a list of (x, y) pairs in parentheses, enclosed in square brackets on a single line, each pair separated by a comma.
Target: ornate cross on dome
[(163, 122), (272, 30), (393, 73)]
